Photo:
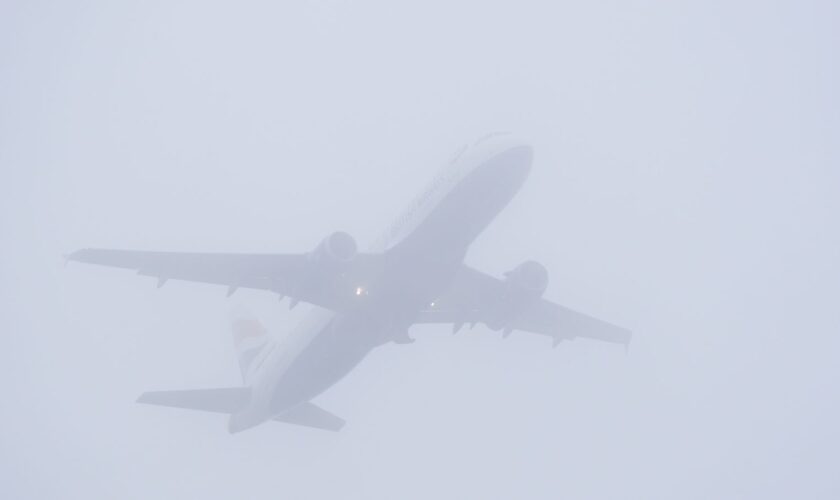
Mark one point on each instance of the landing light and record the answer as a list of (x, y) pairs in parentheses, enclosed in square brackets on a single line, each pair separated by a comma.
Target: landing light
[(359, 291)]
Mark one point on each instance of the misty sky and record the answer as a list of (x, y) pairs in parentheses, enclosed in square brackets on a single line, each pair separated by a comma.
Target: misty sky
[(686, 185)]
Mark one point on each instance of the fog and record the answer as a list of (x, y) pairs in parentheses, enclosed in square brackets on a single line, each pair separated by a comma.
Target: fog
[(685, 186)]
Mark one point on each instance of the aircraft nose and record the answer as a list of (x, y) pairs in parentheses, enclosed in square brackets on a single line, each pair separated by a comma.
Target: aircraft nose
[(517, 161), (522, 156)]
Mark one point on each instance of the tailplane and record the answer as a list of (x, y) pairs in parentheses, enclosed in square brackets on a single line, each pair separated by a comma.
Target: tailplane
[(310, 415), (234, 402), (224, 400)]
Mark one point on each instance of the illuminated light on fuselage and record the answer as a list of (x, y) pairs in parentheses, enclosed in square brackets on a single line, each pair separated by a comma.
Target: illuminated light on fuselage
[(359, 291)]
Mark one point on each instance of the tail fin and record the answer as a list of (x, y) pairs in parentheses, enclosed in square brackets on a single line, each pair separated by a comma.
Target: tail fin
[(249, 337)]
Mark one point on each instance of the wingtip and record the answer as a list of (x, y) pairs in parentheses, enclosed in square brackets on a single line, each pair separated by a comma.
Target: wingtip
[(146, 398), (74, 255), (627, 342)]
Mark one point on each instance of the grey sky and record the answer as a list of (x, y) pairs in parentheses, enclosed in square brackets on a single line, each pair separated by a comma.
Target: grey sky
[(685, 185)]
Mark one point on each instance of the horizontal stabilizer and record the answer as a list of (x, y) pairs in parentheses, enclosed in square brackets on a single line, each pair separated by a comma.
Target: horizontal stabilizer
[(233, 400), (225, 400), (310, 415)]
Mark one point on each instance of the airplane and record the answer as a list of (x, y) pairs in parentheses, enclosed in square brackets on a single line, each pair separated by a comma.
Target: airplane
[(414, 274)]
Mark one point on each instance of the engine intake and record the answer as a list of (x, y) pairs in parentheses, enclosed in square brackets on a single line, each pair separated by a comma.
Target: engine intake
[(524, 285), (529, 279), (335, 250)]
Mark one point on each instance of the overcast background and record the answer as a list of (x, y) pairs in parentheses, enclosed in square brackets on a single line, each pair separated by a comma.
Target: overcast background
[(685, 185)]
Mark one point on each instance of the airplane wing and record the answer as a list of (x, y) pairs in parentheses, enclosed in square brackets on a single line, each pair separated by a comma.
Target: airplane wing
[(294, 275), (476, 297)]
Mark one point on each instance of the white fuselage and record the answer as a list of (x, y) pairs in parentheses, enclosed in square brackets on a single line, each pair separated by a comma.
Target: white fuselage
[(424, 248)]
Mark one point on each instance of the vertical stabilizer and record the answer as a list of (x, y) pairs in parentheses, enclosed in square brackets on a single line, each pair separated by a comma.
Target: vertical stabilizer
[(249, 337)]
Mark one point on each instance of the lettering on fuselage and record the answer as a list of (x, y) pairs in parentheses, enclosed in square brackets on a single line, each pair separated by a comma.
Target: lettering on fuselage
[(432, 193)]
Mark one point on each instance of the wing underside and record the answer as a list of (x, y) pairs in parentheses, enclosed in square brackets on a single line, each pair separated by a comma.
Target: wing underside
[(475, 298), (294, 275)]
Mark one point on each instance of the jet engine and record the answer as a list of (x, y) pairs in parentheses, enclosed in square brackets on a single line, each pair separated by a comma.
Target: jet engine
[(524, 285), (327, 264), (334, 251), (528, 280)]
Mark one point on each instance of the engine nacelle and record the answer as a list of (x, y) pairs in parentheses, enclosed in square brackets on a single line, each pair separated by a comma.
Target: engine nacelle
[(326, 264), (524, 285), (529, 279), (335, 251)]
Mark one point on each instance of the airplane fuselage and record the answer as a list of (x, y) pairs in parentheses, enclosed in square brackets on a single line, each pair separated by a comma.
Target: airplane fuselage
[(423, 249)]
